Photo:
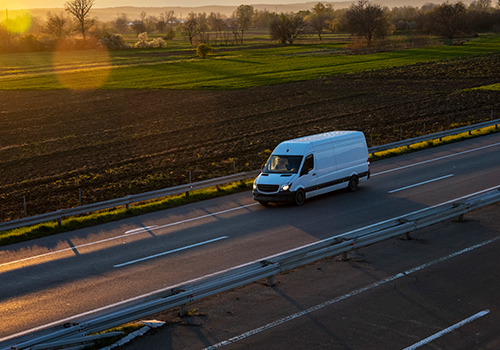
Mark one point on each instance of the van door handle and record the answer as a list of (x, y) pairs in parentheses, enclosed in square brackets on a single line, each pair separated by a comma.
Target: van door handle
[(314, 174)]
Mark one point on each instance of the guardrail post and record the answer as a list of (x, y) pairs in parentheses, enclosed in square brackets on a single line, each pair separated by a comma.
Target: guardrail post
[(344, 256), (270, 281), (183, 310)]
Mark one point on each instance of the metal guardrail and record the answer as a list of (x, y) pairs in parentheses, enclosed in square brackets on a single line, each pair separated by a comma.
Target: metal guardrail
[(179, 296), (434, 136), (126, 201)]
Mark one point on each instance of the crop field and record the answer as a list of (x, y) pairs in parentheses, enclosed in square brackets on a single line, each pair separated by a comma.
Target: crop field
[(126, 122)]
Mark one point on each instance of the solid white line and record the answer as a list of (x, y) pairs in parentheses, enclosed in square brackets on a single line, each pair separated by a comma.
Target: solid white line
[(170, 251), (127, 234), (345, 296), (420, 183), (447, 330), (142, 229), (436, 159)]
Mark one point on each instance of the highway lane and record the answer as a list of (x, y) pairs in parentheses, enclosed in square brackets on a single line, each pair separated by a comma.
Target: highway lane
[(57, 277)]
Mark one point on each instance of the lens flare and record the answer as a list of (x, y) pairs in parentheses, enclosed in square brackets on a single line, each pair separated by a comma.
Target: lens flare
[(82, 69), (18, 21)]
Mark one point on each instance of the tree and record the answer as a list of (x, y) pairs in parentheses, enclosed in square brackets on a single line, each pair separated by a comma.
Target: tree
[(138, 26), (367, 20), (150, 23), (244, 14), (190, 27), (286, 27), (55, 25), (263, 18), (449, 19), (80, 9), (203, 27), (216, 23), (320, 17), (121, 23)]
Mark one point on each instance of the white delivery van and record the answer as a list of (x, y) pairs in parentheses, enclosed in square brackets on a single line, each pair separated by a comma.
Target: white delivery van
[(312, 165)]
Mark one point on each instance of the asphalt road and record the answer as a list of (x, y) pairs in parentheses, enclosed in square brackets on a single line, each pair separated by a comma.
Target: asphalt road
[(48, 280), (438, 290)]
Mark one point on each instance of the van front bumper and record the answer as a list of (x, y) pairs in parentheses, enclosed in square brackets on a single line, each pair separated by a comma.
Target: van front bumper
[(282, 196)]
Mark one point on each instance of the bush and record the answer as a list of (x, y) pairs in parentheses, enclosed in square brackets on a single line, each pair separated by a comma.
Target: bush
[(30, 43), (114, 42), (144, 44), (203, 50), (170, 35)]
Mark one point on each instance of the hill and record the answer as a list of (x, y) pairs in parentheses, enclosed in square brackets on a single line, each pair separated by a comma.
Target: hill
[(110, 13)]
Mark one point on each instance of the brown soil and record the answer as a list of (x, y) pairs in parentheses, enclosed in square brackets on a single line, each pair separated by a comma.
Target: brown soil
[(114, 143)]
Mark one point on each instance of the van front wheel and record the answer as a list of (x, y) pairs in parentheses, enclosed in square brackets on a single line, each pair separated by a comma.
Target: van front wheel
[(300, 197), (353, 183)]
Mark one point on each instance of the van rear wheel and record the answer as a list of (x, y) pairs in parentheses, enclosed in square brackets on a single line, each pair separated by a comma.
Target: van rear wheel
[(300, 197), (353, 183)]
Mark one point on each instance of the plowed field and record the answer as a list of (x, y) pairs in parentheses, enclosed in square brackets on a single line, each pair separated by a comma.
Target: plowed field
[(112, 143)]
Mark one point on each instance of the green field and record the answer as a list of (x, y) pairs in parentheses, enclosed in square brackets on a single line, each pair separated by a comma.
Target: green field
[(235, 68)]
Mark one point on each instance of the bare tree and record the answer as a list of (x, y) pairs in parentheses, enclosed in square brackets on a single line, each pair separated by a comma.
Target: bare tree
[(190, 27), (320, 17), (138, 26), (286, 27), (121, 23), (55, 25), (150, 23), (244, 15), (367, 20), (449, 19), (80, 9), (170, 19)]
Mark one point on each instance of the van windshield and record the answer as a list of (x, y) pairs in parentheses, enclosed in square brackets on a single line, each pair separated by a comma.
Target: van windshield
[(283, 164)]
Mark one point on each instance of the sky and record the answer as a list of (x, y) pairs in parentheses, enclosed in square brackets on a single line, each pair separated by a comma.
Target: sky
[(29, 4)]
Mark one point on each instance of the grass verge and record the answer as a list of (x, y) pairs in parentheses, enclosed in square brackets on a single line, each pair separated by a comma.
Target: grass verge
[(78, 222), (23, 234), (433, 143)]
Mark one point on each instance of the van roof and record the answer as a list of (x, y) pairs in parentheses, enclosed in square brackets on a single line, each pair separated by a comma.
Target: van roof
[(300, 145)]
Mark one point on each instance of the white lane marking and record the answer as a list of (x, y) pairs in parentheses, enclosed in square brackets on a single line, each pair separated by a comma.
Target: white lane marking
[(142, 229), (171, 251), (421, 183), (104, 308), (448, 330), (128, 233), (345, 296), (436, 159)]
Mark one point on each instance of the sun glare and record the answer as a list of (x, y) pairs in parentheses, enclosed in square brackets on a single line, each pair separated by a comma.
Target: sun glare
[(82, 69), (18, 21)]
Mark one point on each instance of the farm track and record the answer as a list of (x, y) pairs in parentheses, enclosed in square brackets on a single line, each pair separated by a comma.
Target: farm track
[(120, 142)]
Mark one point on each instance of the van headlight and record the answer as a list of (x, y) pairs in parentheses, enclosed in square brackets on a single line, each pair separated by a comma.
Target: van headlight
[(254, 186), (285, 187)]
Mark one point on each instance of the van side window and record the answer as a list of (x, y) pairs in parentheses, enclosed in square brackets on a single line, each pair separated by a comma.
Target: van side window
[(308, 165)]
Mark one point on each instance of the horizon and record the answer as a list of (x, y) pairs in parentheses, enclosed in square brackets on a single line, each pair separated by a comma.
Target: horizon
[(102, 4)]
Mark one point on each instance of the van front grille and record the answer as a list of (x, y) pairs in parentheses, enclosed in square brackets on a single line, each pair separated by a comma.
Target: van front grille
[(268, 188)]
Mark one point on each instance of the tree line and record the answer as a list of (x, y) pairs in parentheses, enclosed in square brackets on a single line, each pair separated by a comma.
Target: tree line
[(368, 21)]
